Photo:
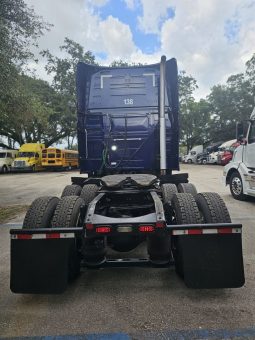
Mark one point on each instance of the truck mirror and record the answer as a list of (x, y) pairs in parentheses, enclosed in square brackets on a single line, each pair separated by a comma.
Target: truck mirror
[(239, 131)]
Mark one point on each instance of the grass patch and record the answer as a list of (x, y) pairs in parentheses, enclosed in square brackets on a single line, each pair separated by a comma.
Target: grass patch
[(9, 212)]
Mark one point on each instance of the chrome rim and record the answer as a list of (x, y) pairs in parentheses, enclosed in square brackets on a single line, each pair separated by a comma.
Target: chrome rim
[(237, 186)]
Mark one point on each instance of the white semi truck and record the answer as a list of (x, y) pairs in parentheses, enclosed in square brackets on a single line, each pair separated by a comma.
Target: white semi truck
[(191, 157), (239, 174)]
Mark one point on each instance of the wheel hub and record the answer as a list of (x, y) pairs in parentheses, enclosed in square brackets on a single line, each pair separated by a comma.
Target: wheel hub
[(236, 186)]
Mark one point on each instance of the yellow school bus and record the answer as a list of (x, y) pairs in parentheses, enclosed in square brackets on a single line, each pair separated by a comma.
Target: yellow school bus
[(54, 158)]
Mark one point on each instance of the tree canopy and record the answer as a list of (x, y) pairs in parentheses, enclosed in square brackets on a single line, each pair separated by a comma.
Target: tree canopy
[(33, 110), (20, 28)]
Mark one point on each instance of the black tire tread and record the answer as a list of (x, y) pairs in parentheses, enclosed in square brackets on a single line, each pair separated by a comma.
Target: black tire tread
[(65, 210), (188, 188), (168, 190), (186, 212), (186, 209), (4, 169), (40, 213), (71, 190), (66, 216), (88, 192), (212, 207)]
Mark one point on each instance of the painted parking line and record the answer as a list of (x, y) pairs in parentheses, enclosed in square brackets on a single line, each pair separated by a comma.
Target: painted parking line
[(201, 334)]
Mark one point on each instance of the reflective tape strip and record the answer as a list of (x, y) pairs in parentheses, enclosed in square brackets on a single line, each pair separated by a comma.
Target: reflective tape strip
[(207, 231), (38, 236), (180, 232), (42, 236), (210, 231), (236, 230)]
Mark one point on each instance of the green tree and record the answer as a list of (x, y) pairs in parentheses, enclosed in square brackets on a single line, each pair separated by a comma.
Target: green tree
[(250, 72), (231, 103), (194, 116), (20, 27), (63, 71), (36, 113)]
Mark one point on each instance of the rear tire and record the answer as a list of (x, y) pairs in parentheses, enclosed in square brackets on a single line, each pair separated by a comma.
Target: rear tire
[(40, 213), (185, 212), (168, 190), (67, 213), (212, 208), (88, 192), (187, 188), (185, 209), (71, 190), (4, 169)]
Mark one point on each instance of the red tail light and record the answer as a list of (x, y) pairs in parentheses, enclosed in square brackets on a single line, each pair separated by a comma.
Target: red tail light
[(89, 226), (160, 224), (146, 228), (103, 230)]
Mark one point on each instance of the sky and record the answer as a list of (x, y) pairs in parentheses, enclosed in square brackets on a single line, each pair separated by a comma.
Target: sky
[(211, 39)]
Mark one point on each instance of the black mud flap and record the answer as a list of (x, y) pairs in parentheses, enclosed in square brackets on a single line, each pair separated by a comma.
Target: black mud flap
[(43, 263), (210, 260)]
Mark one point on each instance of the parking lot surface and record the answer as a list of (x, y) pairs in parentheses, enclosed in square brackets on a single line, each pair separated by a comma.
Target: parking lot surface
[(144, 303)]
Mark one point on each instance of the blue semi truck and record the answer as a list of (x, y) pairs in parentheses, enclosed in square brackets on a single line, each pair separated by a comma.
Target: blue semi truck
[(128, 135)]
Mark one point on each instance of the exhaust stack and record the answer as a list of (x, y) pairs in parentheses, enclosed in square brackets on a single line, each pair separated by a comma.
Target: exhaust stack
[(162, 122)]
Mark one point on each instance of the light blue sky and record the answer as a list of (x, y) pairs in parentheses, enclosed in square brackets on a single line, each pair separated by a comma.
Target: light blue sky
[(211, 39), (148, 43)]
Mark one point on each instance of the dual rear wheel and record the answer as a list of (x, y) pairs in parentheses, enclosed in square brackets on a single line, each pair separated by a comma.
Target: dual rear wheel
[(52, 212), (184, 205), (169, 190)]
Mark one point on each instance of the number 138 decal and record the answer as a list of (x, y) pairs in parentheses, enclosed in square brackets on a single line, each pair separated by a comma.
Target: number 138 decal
[(128, 101)]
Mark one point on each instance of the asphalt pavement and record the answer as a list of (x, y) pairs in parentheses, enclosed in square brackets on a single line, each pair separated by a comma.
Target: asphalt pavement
[(136, 303)]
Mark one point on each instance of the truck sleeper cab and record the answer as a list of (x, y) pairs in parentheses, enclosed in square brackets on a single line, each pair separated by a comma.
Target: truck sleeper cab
[(128, 144)]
